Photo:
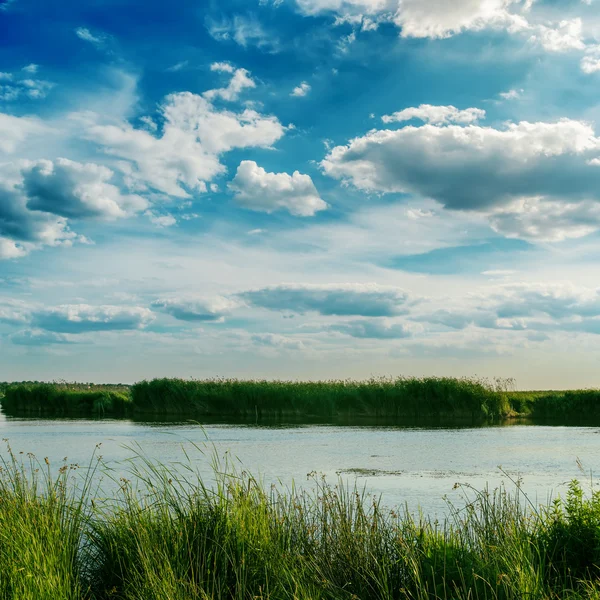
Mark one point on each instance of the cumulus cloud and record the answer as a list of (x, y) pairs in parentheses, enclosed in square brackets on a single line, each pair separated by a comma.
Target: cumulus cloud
[(240, 80), (565, 36), (258, 190), (368, 300), (211, 309), (75, 190), (380, 329), (82, 318), (436, 114), (23, 230), (186, 153), (519, 174), (430, 18), (301, 90), (435, 19)]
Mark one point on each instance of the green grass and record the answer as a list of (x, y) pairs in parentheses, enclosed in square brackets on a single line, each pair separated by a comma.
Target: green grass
[(385, 399), (165, 535)]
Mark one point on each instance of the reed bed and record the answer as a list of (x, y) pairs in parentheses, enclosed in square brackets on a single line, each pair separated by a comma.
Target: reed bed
[(166, 535), (444, 399), (66, 399)]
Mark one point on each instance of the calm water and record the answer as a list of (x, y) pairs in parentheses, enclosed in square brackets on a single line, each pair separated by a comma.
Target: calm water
[(413, 466)]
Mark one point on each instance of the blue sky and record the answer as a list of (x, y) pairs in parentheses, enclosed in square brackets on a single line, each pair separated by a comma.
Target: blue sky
[(300, 189)]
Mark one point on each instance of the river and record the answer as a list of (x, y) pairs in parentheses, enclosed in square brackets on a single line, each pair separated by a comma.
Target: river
[(416, 467)]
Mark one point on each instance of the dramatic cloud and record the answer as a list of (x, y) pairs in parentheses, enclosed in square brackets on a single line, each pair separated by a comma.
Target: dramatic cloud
[(23, 230), (186, 155), (258, 190), (368, 300), (437, 115), (379, 329), (82, 318), (77, 190), (196, 309), (520, 174), (240, 80)]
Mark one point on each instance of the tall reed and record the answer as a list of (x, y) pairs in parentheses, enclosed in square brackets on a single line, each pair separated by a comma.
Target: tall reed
[(165, 534)]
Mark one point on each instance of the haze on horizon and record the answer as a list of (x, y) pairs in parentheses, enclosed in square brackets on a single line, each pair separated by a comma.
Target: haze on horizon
[(303, 189)]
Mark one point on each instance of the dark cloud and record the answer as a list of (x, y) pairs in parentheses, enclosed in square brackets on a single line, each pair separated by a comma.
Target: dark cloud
[(366, 300)]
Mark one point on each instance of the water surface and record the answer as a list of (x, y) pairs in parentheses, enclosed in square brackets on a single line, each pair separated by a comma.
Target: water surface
[(413, 466)]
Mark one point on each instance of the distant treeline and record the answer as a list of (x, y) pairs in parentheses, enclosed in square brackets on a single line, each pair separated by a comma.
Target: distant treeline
[(399, 398)]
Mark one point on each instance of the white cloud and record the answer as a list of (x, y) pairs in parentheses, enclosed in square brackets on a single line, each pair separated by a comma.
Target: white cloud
[(301, 90), (83, 33), (223, 67), (381, 329), (243, 30), (161, 220), (39, 337), (15, 86), (590, 63), (186, 154), (481, 168), (15, 130), (567, 35), (81, 318), (75, 190), (540, 219), (258, 190), (197, 308), (240, 81), (178, 66), (511, 94), (440, 19), (436, 114)]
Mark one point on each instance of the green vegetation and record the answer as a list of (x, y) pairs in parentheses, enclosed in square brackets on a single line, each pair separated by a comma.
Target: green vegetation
[(385, 399), (165, 535), (380, 398), (67, 399)]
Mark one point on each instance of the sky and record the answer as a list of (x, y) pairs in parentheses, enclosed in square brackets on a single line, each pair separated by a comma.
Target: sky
[(300, 189)]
